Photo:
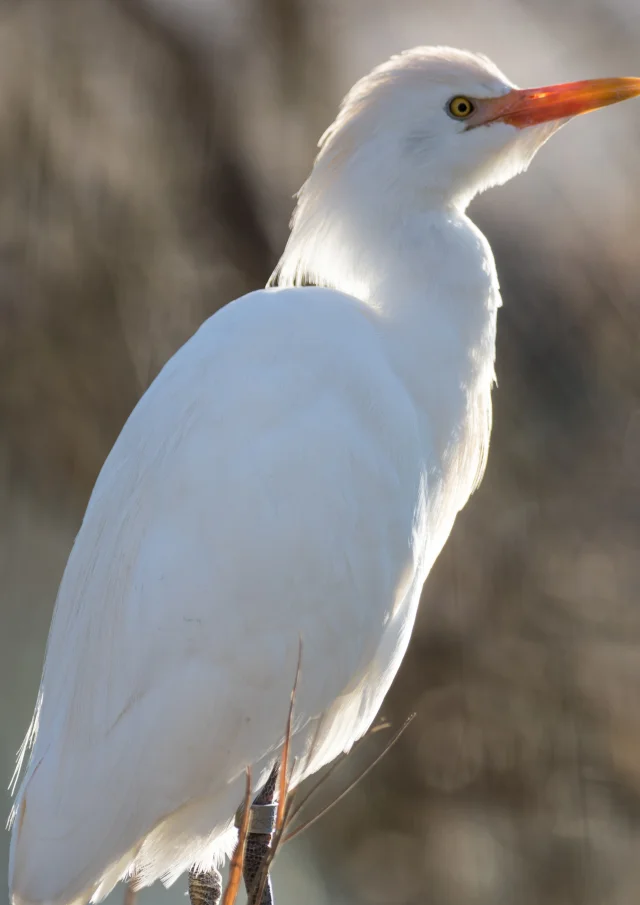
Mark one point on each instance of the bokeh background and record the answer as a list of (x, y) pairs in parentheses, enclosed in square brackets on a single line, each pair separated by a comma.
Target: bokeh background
[(149, 152)]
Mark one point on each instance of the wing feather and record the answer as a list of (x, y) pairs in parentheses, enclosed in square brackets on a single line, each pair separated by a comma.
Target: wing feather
[(262, 491)]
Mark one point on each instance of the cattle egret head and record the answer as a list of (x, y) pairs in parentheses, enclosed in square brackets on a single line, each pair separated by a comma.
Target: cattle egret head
[(425, 131), (437, 125)]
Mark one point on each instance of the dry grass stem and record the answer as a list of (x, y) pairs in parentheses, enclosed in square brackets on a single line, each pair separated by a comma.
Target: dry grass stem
[(296, 832), (235, 869), (130, 893)]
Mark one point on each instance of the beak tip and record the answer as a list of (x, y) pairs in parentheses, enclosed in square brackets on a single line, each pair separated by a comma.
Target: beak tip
[(563, 101)]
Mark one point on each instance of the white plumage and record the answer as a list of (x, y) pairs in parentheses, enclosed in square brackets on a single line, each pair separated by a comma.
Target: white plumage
[(293, 472)]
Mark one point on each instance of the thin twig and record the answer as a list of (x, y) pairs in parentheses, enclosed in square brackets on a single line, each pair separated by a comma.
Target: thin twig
[(130, 893), (284, 764), (293, 833), (268, 861), (385, 724), (284, 800), (317, 785), (235, 869)]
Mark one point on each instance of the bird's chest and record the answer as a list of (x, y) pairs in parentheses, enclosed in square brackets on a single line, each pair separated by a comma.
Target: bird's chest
[(447, 475)]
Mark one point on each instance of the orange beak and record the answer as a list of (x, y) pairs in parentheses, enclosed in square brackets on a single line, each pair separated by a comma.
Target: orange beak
[(531, 106)]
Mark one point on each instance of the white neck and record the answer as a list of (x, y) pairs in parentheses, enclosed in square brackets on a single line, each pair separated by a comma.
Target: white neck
[(429, 276)]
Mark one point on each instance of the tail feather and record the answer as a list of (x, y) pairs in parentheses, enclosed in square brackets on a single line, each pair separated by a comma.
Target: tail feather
[(54, 856)]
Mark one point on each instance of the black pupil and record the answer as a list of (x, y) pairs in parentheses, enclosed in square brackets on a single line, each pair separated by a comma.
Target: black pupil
[(462, 107)]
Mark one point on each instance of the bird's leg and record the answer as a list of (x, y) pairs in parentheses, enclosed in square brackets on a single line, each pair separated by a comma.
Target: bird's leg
[(205, 887), (261, 828)]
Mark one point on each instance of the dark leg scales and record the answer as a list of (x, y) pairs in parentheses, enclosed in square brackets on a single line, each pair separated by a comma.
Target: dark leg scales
[(258, 846), (205, 887)]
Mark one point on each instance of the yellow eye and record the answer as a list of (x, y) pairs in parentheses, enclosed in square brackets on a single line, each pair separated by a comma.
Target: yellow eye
[(461, 107)]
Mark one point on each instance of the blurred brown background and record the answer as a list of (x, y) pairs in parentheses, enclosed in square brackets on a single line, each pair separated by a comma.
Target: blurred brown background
[(148, 155)]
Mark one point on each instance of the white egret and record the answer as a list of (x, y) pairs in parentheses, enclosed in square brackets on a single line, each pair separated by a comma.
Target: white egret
[(293, 472)]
